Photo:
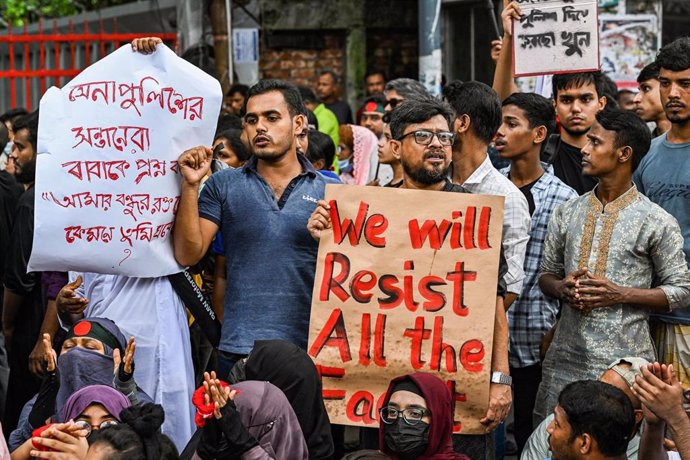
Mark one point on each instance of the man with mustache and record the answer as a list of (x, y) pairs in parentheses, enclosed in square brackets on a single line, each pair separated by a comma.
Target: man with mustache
[(374, 81), (592, 421), (621, 374), (328, 90), (664, 176), (261, 209), (421, 139), (612, 257)]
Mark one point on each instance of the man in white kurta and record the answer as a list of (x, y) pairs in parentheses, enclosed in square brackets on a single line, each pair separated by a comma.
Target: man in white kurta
[(149, 310)]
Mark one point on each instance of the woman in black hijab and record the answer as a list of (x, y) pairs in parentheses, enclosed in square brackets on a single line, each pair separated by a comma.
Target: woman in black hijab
[(289, 368)]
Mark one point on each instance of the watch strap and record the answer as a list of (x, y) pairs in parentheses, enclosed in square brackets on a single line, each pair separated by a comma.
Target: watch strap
[(501, 378)]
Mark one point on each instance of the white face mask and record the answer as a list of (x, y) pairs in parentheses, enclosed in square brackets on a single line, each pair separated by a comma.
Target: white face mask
[(8, 148), (345, 166)]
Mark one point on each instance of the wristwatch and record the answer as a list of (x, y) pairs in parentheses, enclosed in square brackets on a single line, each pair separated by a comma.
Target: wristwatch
[(501, 378)]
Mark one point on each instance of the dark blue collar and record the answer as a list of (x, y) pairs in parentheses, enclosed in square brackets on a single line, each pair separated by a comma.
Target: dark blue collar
[(307, 168)]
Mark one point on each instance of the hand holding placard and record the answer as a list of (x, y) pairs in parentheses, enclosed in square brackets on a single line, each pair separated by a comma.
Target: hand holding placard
[(108, 176), (320, 219), (400, 289)]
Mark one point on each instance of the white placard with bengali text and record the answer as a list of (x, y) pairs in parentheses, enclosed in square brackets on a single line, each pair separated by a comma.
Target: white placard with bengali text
[(555, 36), (107, 179)]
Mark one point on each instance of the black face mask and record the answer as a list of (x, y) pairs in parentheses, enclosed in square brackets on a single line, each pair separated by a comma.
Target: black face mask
[(407, 441)]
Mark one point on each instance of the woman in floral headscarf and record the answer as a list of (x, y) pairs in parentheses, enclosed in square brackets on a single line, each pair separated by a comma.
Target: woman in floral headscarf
[(357, 147)]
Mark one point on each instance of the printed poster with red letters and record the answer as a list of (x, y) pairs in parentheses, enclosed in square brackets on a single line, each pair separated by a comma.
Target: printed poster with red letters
[(107, 179), (405, 282)]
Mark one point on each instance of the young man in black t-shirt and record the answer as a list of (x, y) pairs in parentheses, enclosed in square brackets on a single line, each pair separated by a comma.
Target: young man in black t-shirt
[(577, 99)]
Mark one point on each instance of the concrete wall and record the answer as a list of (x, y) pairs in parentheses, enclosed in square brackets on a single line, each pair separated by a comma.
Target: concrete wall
[(356, 35)]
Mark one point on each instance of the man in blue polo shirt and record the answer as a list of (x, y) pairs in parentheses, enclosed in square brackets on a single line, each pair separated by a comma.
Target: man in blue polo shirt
[(261, 209)]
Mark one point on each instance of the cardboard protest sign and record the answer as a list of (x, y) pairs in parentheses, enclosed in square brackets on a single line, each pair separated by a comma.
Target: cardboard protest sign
[(107, 179), (405, 282), (555, 36)]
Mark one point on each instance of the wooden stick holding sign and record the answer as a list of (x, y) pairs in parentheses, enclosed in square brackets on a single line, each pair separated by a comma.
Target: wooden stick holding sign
[(556, 36), (405, 282)]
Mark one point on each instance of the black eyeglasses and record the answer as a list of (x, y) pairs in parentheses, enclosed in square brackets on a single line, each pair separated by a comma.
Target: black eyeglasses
[(424, 137), (394, 102), (411, 416)]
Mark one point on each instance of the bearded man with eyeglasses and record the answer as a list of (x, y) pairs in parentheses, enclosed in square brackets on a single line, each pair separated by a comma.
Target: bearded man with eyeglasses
[(422, 140)]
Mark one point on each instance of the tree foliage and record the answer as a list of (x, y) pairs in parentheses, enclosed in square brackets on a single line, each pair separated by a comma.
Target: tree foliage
[(19, 12)]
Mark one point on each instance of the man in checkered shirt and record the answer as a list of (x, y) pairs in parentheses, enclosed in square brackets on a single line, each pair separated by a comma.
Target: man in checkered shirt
[(478, 116), (528, 119)]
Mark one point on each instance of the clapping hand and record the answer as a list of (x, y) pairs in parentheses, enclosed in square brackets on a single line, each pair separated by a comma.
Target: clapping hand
[(216, 393), (67, 300), (125, 368), (66, 441), (660, 392)]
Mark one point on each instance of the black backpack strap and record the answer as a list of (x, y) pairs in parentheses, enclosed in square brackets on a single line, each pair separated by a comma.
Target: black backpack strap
[(455, 188), (553, 144), (198, 305), (458, 189)]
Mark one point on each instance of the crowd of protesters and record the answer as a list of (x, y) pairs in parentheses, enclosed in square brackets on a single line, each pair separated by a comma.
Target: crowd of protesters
[(591, 343)]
